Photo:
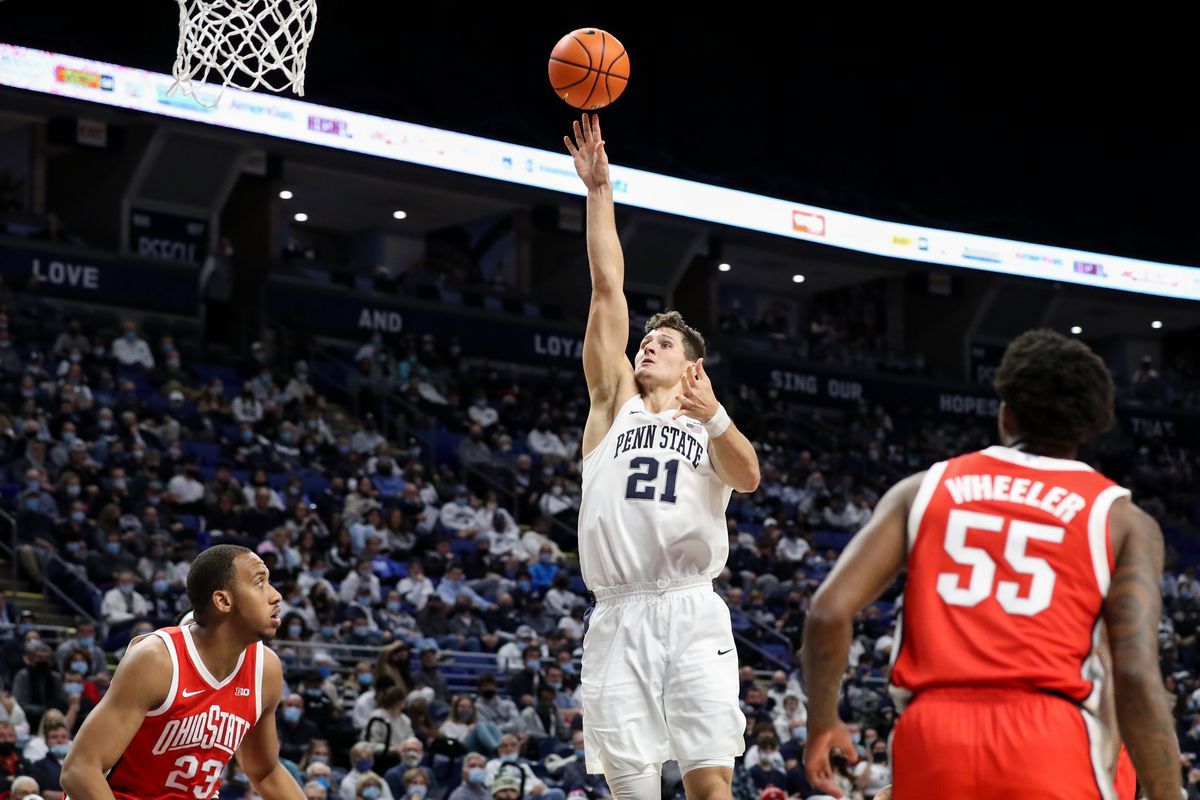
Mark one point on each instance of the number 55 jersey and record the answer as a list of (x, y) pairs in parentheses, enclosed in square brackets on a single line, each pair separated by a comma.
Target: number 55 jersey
[(653, 508), (1009, 562)]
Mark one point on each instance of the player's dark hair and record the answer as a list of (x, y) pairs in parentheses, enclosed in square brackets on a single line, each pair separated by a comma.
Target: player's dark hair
[(1058, 390), (693, 342), (212, 571)]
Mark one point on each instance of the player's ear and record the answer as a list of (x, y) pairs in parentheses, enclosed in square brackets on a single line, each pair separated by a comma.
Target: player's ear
[(222, 601)]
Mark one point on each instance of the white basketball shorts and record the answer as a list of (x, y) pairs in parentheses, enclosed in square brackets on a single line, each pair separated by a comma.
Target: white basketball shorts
[(660, 675)]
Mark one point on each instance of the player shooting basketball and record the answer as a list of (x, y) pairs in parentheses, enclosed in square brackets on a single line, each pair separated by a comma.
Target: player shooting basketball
[(661, 458)]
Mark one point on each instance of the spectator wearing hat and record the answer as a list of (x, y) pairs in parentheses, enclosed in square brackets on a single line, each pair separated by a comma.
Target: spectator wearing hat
[(507, 787), (129, 350), (511, 657)]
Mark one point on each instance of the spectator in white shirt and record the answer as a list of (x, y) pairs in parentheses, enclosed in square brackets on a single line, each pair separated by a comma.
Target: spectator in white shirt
[(131, 351), (559, 600), (481, 413), (415, 589), (792, 546), (511, 656), (460, 516), (858, 512), (362, 577), (186, 488), (121, 603), (545, 442), (246, 407)]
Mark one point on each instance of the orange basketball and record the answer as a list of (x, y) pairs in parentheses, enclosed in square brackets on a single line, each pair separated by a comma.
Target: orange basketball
[(589, 68)]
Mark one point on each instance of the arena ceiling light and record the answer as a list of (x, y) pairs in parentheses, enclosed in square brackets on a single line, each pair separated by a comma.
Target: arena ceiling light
[(724, 267), (301, 217), (1156, 324), (399, 215), (797, 278), (286, 194), (1075, 329)]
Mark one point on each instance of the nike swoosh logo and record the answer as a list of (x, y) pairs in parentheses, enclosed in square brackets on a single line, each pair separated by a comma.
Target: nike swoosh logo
[(723, 652), (186, 693)]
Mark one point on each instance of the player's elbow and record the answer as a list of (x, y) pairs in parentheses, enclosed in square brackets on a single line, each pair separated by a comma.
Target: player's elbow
[(72, 776), (827, 611), (750, 480)]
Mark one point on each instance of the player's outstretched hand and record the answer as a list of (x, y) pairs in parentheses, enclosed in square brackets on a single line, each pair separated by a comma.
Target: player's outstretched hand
[(591, 162), (816, 756), (697, 400)]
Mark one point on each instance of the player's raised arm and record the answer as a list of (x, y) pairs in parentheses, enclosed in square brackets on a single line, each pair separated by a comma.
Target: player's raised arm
[(141, 684), (1131, 613), (608, 372), (259, 753), (868, 565)]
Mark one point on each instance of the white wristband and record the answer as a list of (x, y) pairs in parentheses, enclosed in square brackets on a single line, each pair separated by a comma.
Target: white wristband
[(719, 423)]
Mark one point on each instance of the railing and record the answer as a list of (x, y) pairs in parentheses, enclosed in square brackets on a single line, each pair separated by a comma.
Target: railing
[(12, 550), (766, 631)]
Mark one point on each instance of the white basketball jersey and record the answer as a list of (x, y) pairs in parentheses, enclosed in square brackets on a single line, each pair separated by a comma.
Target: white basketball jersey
[(653, 507)]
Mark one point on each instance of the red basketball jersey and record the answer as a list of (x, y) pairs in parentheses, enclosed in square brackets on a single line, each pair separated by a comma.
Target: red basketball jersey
[(182, 747), (1009, 562)]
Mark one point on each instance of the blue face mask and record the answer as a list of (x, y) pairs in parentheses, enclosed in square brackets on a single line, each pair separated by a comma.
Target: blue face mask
[(523, 586), (418, 789), (555, 685), (361, 631), (328, 631), (87, 641), (24, 628), (856, 738), (567, 667), (73, 490), (31, 503), (79, 666), (393, 607), (72, 688), (363, 765), (371, 793), (365, 679), (160, 586), (247, 436), (113, 547), (325, 672), (533, 664), (130, 336), (313, 691), (323, 780), (579, 754), (291, 715), (477, 776), (127, 588), (294, 631), (800, 732), (59, 751), (78, 517), (509, 758)]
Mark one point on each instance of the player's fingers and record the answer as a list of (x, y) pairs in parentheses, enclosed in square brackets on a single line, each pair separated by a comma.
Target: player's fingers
[(587, 129), (700, 368), (596, 126), (579, 141), (571, 148)]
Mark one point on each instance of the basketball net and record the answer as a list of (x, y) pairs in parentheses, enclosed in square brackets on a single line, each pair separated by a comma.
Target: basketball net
[(243, 43)]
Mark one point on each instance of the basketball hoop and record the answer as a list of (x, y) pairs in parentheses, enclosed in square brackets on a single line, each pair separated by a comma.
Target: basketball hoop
[(243, 43)]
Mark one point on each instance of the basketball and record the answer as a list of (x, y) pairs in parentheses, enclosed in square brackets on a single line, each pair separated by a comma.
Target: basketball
[(589, 68)]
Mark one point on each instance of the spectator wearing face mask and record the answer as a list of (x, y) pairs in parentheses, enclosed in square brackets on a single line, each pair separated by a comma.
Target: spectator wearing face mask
[(48, 771), (362, 761), (295, 732), (38, 686), (766, 765), (79, 697), (494, 709), (129, 350), (464, 725), (123, 605), (11, 762), (474, 780), (417, 782)]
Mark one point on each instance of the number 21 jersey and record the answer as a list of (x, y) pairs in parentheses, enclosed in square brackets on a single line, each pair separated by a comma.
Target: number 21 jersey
[(653, 508), (1009, 563)]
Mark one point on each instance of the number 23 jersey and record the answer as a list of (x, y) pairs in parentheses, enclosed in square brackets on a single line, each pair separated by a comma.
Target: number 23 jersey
[(653, 508), (1009, 564)]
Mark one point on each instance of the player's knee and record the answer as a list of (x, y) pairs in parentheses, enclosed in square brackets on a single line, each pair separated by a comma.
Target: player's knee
[(708, 779)]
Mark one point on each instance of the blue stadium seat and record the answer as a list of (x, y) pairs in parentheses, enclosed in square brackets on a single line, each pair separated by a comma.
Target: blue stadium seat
[(462, 546)]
